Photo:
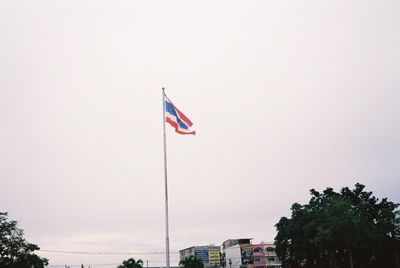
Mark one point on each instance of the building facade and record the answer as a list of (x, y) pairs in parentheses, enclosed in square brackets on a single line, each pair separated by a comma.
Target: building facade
[(237, 253), (209, 255), (259, 258), (272, 260)]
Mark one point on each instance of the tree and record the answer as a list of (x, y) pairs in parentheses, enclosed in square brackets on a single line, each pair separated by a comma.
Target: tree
[(15, 251), (131, 263), (191, 262), (350, 228)]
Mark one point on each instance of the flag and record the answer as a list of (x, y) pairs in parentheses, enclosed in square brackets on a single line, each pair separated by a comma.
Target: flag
[(177, 119)]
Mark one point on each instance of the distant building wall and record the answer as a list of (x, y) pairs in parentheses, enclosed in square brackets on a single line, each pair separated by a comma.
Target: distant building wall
[(233, 256), (272, 260), (242, 252), (232, 242), (186, 253), (209, 255), (259, 257)]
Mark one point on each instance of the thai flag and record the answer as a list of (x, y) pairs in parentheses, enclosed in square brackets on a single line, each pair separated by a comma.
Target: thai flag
[(177, 119)]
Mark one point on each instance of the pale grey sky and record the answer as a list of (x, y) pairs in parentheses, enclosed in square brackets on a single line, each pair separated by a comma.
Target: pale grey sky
[(284, 95)]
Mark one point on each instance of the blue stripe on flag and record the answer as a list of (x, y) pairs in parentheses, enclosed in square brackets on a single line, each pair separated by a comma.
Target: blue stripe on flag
[(170, 109)]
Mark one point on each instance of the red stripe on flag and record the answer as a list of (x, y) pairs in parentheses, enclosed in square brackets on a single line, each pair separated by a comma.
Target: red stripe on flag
[(175, 125)]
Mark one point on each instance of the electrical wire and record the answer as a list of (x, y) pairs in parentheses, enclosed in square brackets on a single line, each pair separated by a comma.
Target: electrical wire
[(104, 253), (92, 265), (79, 265)]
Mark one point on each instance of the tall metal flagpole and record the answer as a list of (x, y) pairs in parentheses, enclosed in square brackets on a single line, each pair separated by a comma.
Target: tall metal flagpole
[(166, 186)]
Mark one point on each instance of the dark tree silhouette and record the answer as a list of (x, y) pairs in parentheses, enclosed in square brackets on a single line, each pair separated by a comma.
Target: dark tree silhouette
[(15, 251), (350, 228), (131, 263)]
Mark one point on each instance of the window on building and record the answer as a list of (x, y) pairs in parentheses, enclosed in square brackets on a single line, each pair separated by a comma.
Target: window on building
[(270, 249), (258, 250), (271, 258)]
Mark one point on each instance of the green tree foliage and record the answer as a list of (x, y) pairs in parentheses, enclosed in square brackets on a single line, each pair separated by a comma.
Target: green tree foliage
[(15, 251), (191, 262), (350, 228), (131, 263)]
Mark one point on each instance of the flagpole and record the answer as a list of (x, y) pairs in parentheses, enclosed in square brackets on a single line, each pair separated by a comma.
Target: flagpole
[(166, 185)]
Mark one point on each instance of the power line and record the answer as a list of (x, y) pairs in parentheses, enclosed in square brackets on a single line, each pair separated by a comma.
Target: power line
[(79, 265), (103, 253), (93, 265)]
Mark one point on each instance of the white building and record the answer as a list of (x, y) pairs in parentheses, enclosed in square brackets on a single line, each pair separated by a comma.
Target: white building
[(233, 256), (236, 252)]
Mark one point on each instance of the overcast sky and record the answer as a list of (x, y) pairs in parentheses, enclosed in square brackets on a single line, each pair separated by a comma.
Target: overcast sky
[(285, 96)]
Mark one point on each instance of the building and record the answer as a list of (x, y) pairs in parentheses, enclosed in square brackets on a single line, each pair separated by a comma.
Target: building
[(259, 257), (210, 255), (237, 252), (272, 260)]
